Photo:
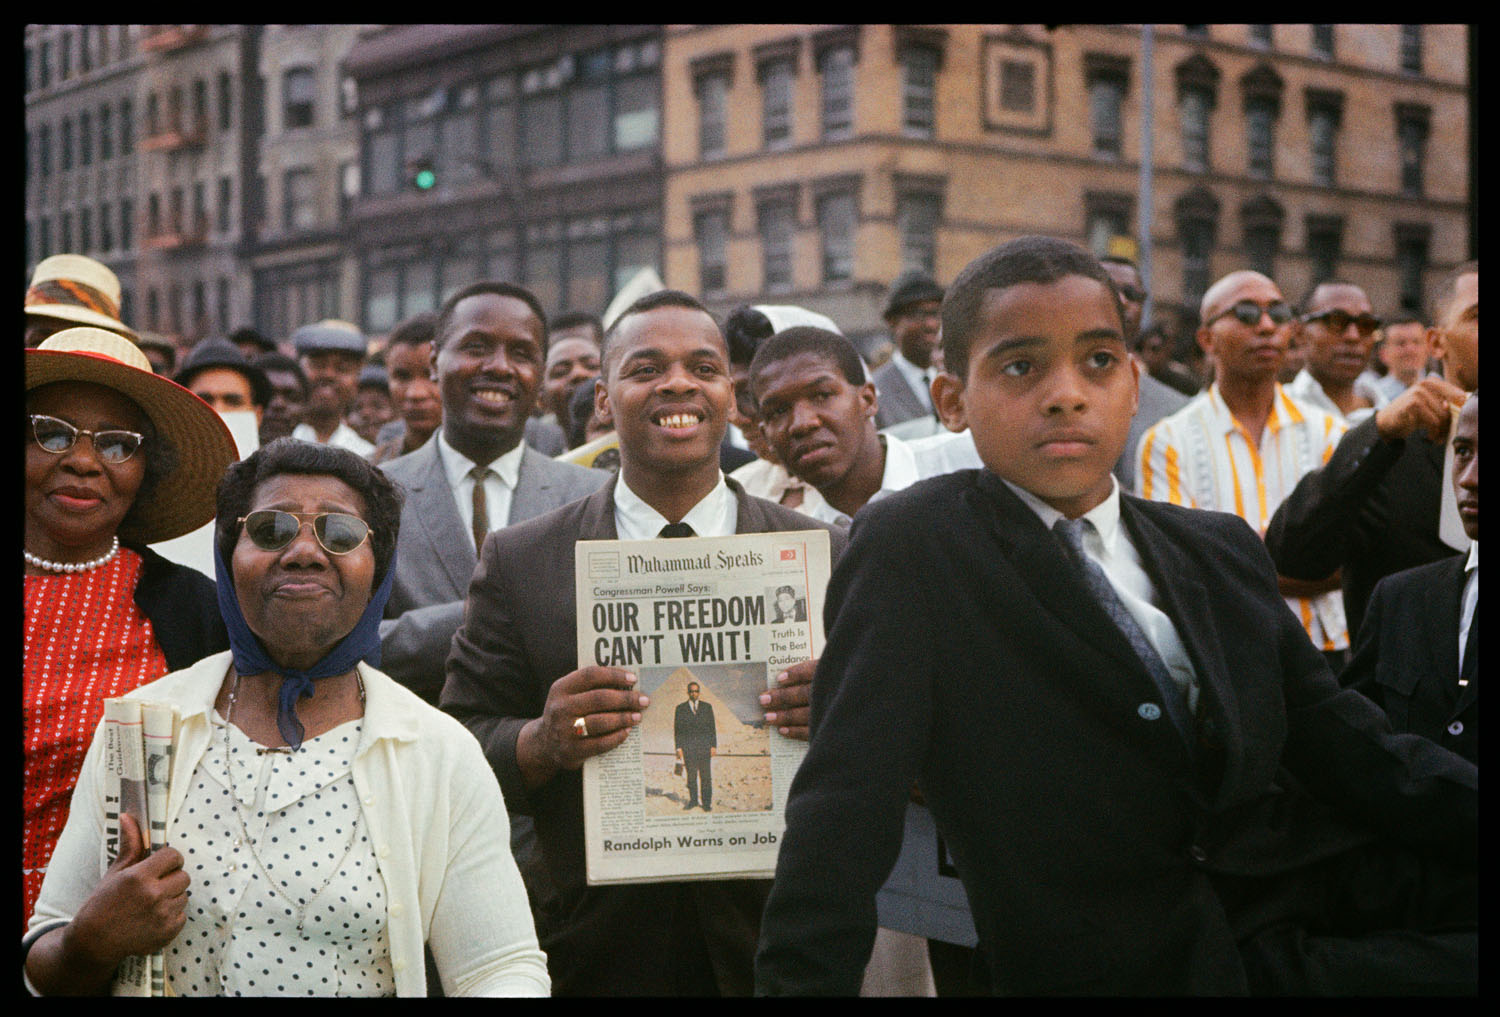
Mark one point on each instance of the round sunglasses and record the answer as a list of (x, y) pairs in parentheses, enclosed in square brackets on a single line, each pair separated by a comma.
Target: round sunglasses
[(57, 436), (336, 532)]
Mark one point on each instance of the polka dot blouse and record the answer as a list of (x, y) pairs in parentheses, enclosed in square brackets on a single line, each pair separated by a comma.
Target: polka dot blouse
[(320, 930)]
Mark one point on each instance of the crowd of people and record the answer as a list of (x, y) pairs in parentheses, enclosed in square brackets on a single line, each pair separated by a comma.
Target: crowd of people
[(1179, 653)]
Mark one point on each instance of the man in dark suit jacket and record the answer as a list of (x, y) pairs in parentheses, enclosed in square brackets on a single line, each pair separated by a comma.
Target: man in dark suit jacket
[(911, 310), (1407, 658), (1103, 847), (1376, 507), (514, 680), (696, 739)]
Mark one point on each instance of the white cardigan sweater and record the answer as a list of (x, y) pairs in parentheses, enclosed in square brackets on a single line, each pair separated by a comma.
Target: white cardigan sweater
[(431, 804)]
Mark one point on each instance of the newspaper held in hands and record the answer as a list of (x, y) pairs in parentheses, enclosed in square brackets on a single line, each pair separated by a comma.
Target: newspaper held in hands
[(139, 738), (698, 790)]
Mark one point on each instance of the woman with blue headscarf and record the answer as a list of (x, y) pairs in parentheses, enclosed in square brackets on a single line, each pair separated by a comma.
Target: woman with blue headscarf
[(324, 822)]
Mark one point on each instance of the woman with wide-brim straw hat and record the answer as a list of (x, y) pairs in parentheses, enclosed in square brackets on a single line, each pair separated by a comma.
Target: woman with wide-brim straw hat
[(67, 290), (116, 458)]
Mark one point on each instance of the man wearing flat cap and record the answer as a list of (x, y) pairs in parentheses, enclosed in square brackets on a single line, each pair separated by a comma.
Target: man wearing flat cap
[(905, 381), (68, 290), (331, 354)]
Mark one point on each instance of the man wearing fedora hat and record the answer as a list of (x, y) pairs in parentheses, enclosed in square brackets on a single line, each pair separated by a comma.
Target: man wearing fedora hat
[(905, 381), (68, 290), (218, 373), (331, 354)]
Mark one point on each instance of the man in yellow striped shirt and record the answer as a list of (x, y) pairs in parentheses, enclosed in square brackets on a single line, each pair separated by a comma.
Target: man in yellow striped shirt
[(1242, 445)]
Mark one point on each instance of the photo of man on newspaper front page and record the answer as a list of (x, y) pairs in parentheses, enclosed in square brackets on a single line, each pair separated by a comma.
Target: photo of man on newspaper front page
[(698, 789)]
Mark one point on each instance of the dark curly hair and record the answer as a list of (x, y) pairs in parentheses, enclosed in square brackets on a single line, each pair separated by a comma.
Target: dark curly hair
[(288, 455)]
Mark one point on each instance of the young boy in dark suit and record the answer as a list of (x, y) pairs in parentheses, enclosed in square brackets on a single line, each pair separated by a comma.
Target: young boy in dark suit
[(1144, 771)]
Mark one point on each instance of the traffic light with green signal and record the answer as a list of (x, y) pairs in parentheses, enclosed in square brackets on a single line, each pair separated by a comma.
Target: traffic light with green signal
[(420, 173)]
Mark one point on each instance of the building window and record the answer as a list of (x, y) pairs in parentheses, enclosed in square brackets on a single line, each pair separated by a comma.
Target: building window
[(836, 70), (1260, 136), (106, 134), (1194, 108), (919, 67), (778, 220), (297, 94), (226, 199), (85, 50), (588, 109), (106, 228), (222, 304), (64, 56), (1107, 76), (1197, 245), (200, 105), (918, 214), (226, 101), (153, 309), (461, 158), (65, 231), (1017, 86), (713, 110), (1325, 241), (1412, 126), (1411, 49), (1322, 41), (67, 144), (85, 229), (1411, 262), (776, 78), (836, 222), (300, 199), (153, 215), (44, 65), (44, 238), (153, 115), (200, 207), (589, 283), (85, 138), (711, 232), (637, 117), (1262, 217), (1108, 221), (1196, 213), (1261, 36), (127, 127), (127, 224), (44, 151)]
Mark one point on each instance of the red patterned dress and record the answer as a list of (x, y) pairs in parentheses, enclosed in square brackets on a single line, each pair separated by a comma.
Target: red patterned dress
[(85, 641)]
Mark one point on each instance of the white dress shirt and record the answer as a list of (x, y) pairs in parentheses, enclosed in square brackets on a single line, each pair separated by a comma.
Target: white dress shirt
[(499, 484), (716, 515), (343, 436), (1308, 389), (1109, 545), (1469, 602)]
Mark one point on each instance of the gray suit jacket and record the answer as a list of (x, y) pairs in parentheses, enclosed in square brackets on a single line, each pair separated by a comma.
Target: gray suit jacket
[(1158, 400), (897, 400), (435, 556)]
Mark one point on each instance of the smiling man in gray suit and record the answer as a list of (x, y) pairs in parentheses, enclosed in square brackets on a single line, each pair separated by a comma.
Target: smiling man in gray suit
[(488, 351)]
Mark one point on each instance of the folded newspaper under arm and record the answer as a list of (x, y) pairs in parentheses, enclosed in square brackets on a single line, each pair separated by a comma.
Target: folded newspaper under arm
[(698, 790), (139, 741)]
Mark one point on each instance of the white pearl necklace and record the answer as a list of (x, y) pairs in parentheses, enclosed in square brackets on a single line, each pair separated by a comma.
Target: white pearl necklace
[(82, 566)]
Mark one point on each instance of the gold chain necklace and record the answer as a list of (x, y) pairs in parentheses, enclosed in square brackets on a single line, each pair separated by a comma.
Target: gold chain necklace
[(249, 842)]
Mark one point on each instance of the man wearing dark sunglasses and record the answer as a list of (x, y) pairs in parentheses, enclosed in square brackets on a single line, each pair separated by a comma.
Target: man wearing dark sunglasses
[(1241, 446), (1338, 328)]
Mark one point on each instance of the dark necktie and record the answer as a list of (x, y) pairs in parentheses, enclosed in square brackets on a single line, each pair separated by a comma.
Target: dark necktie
[(677, 530), (1468, 674), (1070, 531), (481, 512)]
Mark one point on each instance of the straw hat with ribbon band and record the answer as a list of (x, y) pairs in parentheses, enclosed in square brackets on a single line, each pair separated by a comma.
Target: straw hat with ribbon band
[(185, 499), (71, 287)]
